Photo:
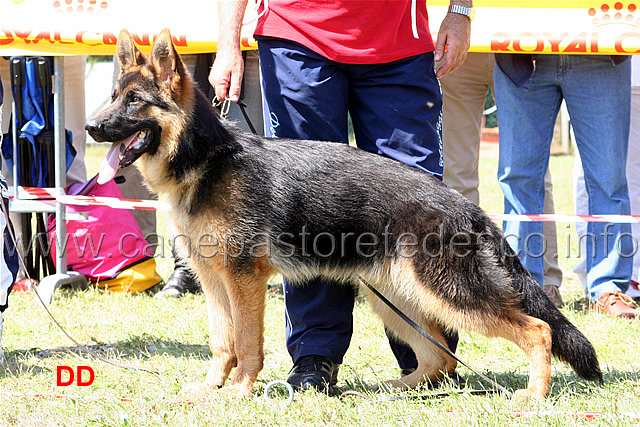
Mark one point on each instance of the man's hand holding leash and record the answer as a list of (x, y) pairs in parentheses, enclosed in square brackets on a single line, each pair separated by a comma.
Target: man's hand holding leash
[(228, 67)]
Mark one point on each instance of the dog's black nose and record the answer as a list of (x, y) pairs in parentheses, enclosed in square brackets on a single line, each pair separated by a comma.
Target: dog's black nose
[(95, 129)]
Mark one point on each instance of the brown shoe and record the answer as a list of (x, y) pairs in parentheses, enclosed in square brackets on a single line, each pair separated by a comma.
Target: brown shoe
[(616, 304), (553, 292)]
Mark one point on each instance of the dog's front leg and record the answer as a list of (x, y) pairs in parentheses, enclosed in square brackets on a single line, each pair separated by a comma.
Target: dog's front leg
[(221, 334), (221, 338)]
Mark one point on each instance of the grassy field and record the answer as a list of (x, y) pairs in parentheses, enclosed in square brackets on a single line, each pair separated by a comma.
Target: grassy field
[(170, 336)]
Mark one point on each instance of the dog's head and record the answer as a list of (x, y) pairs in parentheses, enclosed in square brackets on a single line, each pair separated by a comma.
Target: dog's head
[(148, 103)]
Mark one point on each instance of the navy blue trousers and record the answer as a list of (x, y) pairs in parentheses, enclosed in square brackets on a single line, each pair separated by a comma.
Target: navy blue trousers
[(395, 109)]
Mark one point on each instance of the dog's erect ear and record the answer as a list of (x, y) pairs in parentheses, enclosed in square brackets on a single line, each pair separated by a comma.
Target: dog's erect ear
[(128, 54), (169, 66)]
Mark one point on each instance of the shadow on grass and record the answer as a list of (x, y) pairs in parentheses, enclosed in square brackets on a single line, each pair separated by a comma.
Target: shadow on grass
[(473, 384), (136, 347), (470, 384)]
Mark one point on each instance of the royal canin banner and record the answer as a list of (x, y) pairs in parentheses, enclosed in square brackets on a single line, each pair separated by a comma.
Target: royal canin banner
[(91, 27)]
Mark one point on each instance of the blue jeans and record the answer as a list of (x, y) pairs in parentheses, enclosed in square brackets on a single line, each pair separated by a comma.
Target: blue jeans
[(396, 111), (597, 95)]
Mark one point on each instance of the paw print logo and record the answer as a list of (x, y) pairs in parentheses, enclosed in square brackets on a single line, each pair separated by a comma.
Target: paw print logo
[(80, 6), (615, 13)]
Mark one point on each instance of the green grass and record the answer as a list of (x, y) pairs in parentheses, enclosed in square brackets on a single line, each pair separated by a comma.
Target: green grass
[(170, 336)]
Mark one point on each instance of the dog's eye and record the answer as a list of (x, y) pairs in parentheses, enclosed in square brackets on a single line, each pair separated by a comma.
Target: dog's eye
[(136, 99)]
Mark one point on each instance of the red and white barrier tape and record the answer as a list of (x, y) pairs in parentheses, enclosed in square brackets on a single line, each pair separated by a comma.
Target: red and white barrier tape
[(30, 193), (115, 203), (620, 219), (49, 195)]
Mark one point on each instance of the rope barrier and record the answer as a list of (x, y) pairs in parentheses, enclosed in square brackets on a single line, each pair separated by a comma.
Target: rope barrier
[(47, 194)]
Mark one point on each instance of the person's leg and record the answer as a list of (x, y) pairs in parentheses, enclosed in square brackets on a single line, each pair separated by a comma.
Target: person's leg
[(307, 89), (552, 272), (396, 109), (581, 198), (305, 98), (396, 112), (633, 180), (600, 115), (464, 93), (526, 120), (581, 204)]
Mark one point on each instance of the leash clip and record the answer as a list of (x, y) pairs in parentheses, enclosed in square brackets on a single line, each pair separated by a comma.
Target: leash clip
[(222, 106)]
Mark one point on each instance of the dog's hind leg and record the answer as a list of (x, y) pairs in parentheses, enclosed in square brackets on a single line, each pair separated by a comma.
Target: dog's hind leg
[(533, 336), (433, 364)]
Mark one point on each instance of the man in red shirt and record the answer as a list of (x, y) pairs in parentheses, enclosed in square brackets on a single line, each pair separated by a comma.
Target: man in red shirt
[(323, 61)]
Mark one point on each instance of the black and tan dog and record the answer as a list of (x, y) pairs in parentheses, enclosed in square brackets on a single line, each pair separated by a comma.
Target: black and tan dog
[(252, 207)]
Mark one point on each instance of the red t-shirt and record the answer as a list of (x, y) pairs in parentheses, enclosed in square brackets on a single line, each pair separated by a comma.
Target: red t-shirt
[(350, 31)]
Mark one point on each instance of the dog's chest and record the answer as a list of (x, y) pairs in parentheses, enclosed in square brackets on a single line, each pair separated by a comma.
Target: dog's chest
[(205, 234)]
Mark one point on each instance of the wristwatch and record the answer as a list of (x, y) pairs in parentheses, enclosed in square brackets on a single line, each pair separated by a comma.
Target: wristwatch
[(469, 12)]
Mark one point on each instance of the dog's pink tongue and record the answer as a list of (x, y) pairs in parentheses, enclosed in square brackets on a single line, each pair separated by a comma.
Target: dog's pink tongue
[(110, 163)]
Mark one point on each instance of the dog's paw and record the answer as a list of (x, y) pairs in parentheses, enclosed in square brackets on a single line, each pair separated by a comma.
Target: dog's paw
[(382, 387), (237, 391), (409, 381), (525, 395), (390, 385), (197, 390)]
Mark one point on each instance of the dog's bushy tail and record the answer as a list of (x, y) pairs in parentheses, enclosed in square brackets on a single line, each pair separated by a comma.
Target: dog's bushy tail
[(568, 343)]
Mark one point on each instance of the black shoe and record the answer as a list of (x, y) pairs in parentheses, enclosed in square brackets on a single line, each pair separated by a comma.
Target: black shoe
[(155, 289), (317, 372), (181, 281)]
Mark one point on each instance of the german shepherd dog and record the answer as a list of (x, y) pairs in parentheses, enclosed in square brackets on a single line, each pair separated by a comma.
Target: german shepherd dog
[(309, 209)]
